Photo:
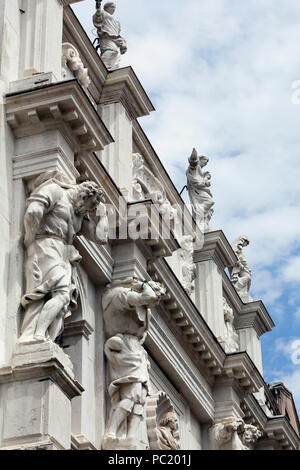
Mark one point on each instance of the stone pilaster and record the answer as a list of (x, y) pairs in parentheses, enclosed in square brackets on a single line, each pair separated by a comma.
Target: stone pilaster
[(122, 101), (211, 261)]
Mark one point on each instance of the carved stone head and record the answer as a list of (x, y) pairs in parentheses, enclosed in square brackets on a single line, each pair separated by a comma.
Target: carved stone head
[(110, 7), (87, 198), (170, 420)]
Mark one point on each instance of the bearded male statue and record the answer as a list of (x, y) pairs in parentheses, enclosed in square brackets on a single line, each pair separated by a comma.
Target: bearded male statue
[(57, 211), (126, 310)]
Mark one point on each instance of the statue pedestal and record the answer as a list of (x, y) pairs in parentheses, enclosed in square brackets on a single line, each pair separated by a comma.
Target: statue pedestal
[(36, 394), (110, 443)]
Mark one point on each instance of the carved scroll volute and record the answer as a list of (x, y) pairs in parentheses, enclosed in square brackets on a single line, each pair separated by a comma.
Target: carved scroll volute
[(157, 407)]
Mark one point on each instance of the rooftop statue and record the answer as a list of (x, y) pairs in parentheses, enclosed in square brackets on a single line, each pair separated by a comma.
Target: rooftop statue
[(241, 273), (57, 211), (111, 43), (198, 185)]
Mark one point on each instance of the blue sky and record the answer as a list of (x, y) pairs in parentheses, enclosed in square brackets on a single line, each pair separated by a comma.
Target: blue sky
[(220, 74)]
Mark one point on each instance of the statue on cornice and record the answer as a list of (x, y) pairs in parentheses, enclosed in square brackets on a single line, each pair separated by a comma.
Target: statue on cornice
[(198, 185), (240, 273), (111, 43), (126, 310), (57, 211)]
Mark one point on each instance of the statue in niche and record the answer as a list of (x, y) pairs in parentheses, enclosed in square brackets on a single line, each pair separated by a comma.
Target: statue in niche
[(233, 434), (188, 267), (126, 308), (166, 431), (232, 343), (240, 273), (111, 44), (198, 185), (57, 211)]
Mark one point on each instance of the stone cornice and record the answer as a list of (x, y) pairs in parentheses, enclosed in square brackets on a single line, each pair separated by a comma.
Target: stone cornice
[(122, 85), (187, 317), (181, 369), (51, 370), (280, 429), (217, 248), (250, 315), (276, 428), (78, 328), (241, 367), (63, 106)]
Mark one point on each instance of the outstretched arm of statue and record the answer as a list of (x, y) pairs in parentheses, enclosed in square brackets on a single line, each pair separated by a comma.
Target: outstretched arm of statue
[(99, 232), (32, 219)]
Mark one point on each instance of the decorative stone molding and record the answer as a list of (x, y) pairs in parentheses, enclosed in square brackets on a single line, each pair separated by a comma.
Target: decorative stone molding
[(62, 106), (240, 367), (186, 316), (78, 328), (123, 86), (276, 429), (159, 410), (217, 248), (71, 60), (241, 273)]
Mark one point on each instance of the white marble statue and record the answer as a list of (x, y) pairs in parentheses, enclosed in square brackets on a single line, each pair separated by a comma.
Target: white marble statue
[(250, 435), (166, 431), (198, 184), (71, 59), (188, 267), (232, 343), (126, 309), (233, 434), (57, 211), (241, 273), (111, 43), (147, 186)]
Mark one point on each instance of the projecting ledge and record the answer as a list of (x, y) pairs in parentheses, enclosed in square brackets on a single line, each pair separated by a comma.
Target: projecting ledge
[(217, 248), (63, 106), (122, 85)]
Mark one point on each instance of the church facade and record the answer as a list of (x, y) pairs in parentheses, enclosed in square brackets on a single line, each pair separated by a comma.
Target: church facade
[(125, 323)]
